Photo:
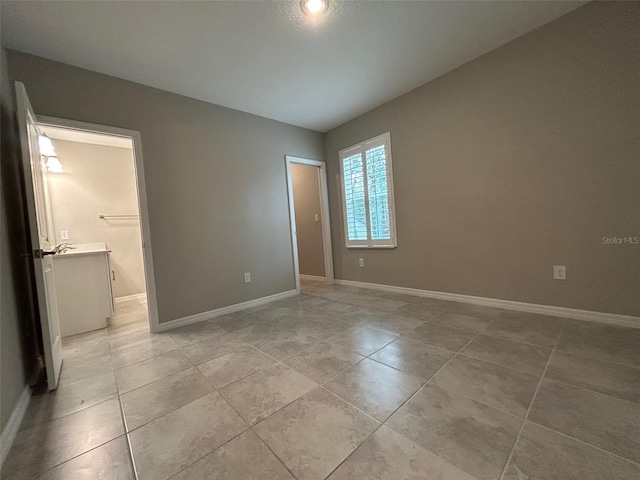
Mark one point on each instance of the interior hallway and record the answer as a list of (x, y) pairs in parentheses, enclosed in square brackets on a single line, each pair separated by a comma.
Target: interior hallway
[(342, 383)]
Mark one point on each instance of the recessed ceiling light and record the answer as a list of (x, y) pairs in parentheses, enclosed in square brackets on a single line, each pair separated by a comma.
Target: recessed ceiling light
[(314, 7)]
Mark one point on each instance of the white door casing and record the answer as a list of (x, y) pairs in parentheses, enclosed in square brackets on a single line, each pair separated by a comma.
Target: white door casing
[(136, 139), (35, 192), (324, 214)]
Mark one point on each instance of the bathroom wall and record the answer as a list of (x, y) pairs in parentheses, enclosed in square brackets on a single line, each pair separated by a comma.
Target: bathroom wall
[(99, 179), (306, 197)]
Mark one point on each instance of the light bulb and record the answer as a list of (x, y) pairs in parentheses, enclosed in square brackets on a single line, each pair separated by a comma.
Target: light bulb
[(46, 147), (314, 7), (54, 165)]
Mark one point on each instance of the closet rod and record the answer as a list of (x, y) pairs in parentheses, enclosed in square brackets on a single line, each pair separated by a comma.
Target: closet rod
[(118, 216)]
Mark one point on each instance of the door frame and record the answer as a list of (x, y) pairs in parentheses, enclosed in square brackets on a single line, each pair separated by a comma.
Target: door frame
[(145, 231), (324, 217)]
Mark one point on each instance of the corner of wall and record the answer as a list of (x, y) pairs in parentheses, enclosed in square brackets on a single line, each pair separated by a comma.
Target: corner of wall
[(17, 329)]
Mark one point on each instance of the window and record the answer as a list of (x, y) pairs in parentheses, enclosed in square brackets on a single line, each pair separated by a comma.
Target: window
[(367, 194)]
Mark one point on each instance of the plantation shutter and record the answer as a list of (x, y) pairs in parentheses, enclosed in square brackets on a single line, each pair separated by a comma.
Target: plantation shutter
[(378, 193), (367, 194), (354, 192)]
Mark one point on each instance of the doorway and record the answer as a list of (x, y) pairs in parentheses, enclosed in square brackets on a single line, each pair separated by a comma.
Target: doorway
[(309, 216), (95, 204), (99, 222), (89, 292)]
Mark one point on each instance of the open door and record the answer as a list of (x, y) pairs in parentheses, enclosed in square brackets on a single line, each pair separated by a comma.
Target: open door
[(33, 168)]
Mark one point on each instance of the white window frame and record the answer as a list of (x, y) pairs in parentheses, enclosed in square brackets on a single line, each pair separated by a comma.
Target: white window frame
[(384, 139)]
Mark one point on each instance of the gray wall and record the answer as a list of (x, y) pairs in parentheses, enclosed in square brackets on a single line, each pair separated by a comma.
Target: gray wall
[(18, 348), (306, 196), (12, 376), (517, 161), (215, 181)]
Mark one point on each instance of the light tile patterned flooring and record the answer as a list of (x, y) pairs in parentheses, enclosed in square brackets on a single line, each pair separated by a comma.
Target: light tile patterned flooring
[(341, 383)]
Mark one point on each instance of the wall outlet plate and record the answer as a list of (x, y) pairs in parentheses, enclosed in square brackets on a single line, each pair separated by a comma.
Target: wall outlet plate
[(247, 277), (361, 262), (64, 234), (559, 272)]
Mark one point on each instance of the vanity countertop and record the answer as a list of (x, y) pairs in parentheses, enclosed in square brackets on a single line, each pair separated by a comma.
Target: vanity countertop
[(84, 249)]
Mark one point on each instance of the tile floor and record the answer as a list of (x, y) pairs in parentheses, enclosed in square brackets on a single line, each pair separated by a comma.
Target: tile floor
[(341, 383)]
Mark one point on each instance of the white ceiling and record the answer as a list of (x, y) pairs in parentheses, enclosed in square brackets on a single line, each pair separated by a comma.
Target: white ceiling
[(268, 59)]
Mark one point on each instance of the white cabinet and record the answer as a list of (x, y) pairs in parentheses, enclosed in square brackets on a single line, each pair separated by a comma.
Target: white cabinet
[(83, 287)]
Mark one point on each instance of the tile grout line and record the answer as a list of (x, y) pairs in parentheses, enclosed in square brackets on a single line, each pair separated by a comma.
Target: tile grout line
[(341, 372), (127, 432), (401, 335), (346, 368), (122, 419), (249, 425), (405, 403), (350, 404), (559, 349), (519, 342), (597, 392), (122, 415), (322, 385), (608, 362), (274, 454), (533, 399), (169, 411), (512, 369), (79, 455), (475, 400), (524, 420), (156, 355), (156, 380), (215, 390), (585, 443), (323, 341), (193, 365), (116, 396), (442, 367), (208, 453)]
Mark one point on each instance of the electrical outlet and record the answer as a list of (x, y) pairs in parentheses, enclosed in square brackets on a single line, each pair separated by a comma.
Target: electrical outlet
[(247, 277), (361, 262), (317, 218), (559, 272), (64, 234)]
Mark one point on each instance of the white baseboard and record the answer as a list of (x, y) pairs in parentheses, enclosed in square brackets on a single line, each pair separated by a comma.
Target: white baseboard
[(199, 317), (601, 317), (135, 296), (312, 277), (11, 428)]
